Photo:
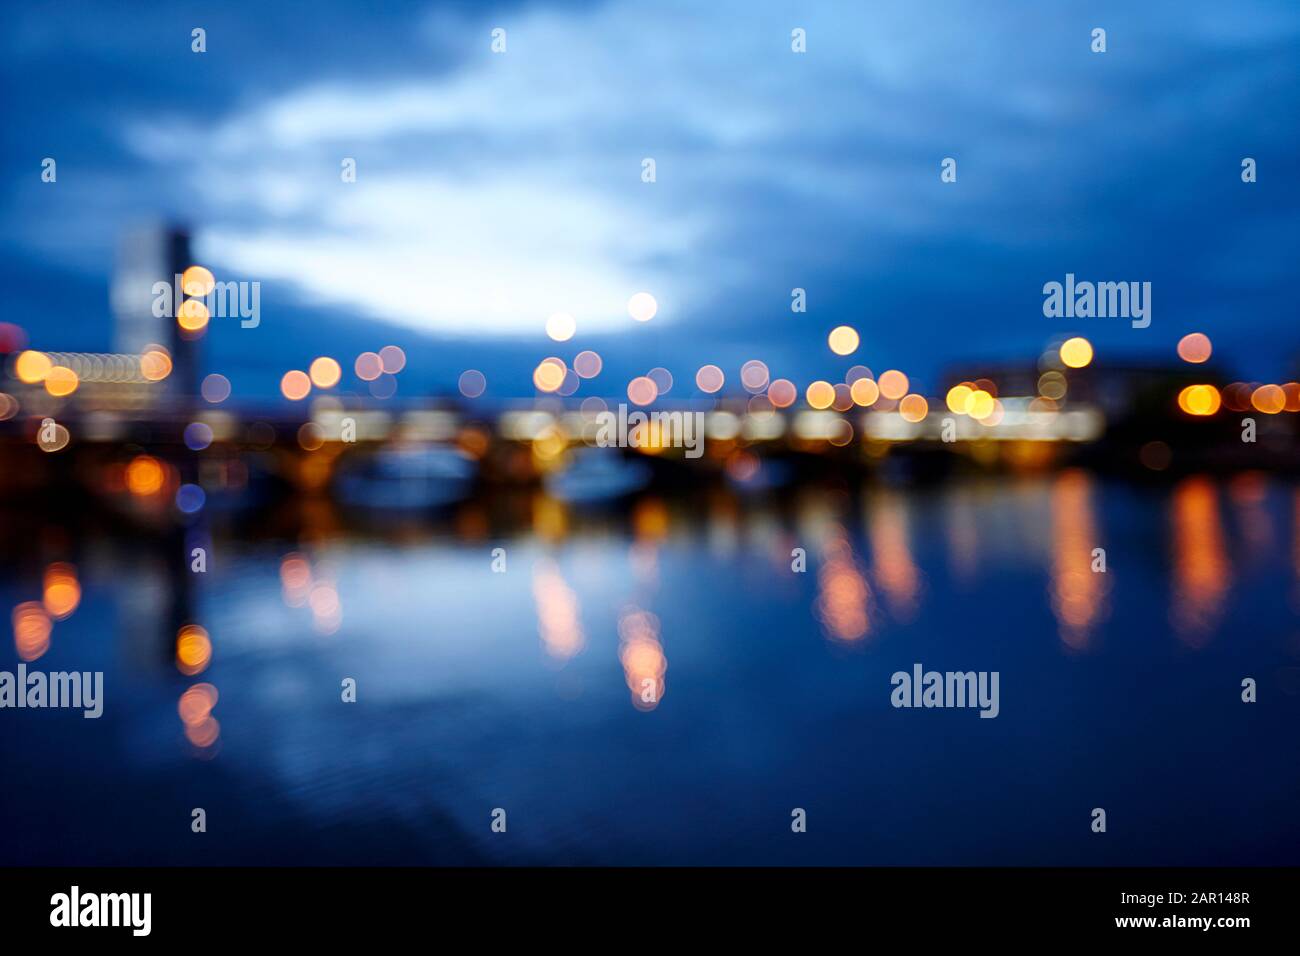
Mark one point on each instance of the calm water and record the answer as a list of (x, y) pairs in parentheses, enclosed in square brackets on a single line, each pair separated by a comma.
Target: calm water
[(1119, 691)]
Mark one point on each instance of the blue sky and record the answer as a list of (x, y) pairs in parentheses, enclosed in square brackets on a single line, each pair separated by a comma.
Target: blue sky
[(494, 189)]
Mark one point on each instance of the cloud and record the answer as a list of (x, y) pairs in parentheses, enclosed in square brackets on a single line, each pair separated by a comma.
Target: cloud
[(494, 189)]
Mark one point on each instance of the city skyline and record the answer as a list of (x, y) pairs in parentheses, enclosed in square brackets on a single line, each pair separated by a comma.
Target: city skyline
[(544, 193)]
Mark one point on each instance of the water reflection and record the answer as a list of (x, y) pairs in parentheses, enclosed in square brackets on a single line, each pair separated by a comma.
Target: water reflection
[(1248, 493), (1079, 579), (1200, 559), (32, 627), (557, 612), (893, 567), (843, 595), (195, 708), (642, 656), (962, 535), (461, 708)]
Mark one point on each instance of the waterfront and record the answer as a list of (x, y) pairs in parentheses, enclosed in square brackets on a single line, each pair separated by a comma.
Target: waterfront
[(478, 689)]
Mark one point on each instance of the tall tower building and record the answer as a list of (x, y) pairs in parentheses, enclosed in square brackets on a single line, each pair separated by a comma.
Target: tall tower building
[(147, 256)]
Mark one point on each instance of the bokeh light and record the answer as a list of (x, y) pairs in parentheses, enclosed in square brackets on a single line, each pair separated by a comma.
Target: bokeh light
[(709, 378), (642, 390), (1076, 352), (196, 703), (295, 385), (145, 476), (192, 316), (193, 650), (32, 627), (155, 364), (62, 592), (392, 358), (1199, 400), (325, 372), (190, 499), (782, 393), (642, 307), (913, 408), (662, 378), (958, 398), (198, 281), (1269, 399), (368, 366), (754, 376), (864, 391), (587, 364), (215, 389), (549, 374), (61, 381), (820, 394), (51, 436), (1195, 348), (311, 436), (198, 436), (561, 326), (32, 367), (893, 384), (12, 338), (843, 340), (980, 405), (472, 383)]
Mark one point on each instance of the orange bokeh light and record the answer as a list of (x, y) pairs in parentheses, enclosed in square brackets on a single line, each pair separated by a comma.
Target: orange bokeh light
[(193, 650), (913, 408), (32, 367), (1269, 399), (145, 476), (61, 381), (192, 316), (32, 627), (62, 592), (295, 385), (325, 372), (155, 365), (820, 394), (1195, 348), (1199, 400), (893, 384)]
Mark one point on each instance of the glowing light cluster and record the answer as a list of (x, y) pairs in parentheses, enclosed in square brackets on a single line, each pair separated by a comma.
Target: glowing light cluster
[(549, 374), (642, 656), (1199, 400)]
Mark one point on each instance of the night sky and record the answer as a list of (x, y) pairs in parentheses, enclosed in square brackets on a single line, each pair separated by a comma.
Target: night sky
[(495, 189)]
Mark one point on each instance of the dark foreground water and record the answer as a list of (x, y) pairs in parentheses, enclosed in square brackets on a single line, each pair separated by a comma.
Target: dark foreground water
[(769, 689)]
